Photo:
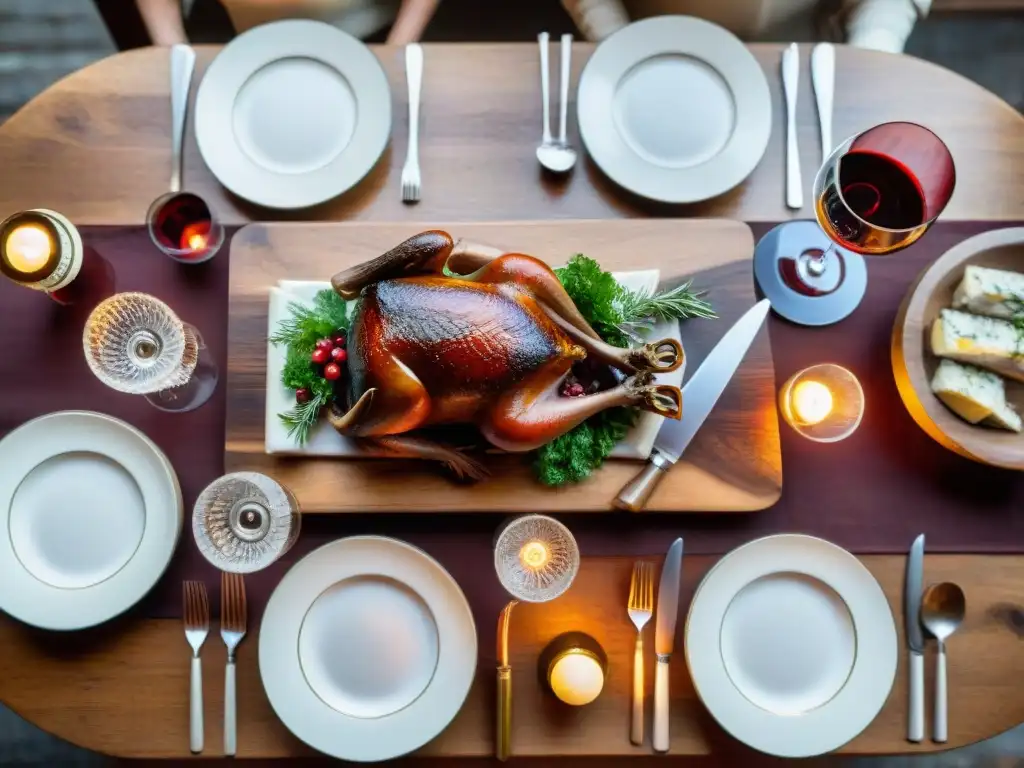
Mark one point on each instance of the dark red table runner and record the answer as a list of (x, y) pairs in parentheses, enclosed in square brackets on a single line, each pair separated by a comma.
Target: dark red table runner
[(871, 493)]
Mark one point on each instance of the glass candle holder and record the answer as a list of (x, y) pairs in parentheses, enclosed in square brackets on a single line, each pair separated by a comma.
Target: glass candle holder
[(536, 558), (182, 226), (244, 521), (824, 403)]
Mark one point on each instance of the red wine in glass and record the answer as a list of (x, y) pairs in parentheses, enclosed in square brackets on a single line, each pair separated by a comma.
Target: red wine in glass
[(183, 227)]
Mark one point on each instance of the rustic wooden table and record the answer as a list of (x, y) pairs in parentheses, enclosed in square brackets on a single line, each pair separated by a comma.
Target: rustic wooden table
[(96, 147)]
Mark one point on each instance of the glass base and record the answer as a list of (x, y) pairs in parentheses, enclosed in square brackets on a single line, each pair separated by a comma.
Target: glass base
[(800, 286), (196, 392)]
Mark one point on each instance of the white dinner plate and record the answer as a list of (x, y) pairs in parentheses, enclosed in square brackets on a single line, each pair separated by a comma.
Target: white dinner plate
[(91, 512), (675, 109), (791, 645), (367, 648), (293, 113)]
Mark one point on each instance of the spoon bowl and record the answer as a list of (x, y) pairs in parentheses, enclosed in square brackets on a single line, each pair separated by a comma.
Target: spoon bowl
[(556, 158)]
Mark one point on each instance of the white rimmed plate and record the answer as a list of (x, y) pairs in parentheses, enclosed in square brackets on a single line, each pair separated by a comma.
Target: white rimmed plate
[(675, 109), (791, 645), (293, 113), (367, 648), (91, 512)]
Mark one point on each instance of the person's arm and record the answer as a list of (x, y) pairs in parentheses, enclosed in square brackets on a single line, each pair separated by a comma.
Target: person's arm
[(597, 19), (163, 21), (413, 17)]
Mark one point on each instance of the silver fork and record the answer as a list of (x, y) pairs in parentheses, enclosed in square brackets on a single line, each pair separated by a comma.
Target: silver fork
[(411, 169), (232, 630), (641, 606), (197, 625)]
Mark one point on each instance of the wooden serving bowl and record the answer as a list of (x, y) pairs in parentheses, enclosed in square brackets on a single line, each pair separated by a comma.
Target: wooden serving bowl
[(914, 365)]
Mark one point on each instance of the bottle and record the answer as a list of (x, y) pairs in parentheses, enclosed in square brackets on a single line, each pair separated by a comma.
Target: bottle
[(42, 250)]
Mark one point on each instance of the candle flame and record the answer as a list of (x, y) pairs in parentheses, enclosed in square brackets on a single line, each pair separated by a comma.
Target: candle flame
[(196, 241), (812, 402), (534, 555), (28, 248)]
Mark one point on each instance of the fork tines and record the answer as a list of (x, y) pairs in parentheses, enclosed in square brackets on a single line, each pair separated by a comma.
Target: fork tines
[(197, 606), (641, 588), (411, 185), (232, 602)]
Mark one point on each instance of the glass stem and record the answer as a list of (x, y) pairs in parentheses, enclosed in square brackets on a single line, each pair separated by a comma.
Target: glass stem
[(817, 265)]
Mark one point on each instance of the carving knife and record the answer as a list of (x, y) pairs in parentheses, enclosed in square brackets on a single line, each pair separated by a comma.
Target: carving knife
[(915, 637), (790, 81), (664, 639), (699, 396)]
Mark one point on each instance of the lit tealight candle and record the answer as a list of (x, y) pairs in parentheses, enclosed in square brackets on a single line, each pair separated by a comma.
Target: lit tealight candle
[(534, 555), (812, 402), (575, 666), (576, 677), (824, 403), (194, 237), (28, 248)]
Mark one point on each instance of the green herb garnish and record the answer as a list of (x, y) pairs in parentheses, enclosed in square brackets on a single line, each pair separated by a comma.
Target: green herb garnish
[(300, 332), (617, 314)]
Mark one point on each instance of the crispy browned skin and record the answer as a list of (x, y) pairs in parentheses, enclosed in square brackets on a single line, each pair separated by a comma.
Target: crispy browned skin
[(492, 347)]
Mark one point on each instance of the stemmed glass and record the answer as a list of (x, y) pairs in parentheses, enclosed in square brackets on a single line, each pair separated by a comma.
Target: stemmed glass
[(877, 193), (244, 521), (536, 558), (135, 343)]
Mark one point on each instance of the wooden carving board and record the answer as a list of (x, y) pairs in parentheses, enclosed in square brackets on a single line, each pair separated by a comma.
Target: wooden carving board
[(733, 464)]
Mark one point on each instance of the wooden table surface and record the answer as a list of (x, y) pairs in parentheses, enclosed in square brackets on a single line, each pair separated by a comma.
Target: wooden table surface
[(96, 147)]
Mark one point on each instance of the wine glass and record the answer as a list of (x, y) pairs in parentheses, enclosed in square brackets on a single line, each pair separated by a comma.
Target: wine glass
[(877, 193), (536, 558), (244, 521), (135, 343)]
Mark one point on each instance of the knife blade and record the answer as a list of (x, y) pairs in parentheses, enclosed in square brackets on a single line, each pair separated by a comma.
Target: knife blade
[(823, 75), (790, 81), (699, 397), (912, 588), (664, 639)]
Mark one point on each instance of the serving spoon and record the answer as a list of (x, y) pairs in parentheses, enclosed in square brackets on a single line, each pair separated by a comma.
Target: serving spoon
[(942, 610)]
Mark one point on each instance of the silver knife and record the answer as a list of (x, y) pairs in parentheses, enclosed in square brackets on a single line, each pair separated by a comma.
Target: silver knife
[(664, 639), (823, 76), (915, 637), (699, 396), (790, 80)]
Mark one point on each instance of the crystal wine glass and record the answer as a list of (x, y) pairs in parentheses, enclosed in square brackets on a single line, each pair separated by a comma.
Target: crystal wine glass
[(877, 193), (244, 521), (135, 343)]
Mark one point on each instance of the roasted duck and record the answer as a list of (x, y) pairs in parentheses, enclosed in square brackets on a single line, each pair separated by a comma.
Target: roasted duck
[(445, 334)]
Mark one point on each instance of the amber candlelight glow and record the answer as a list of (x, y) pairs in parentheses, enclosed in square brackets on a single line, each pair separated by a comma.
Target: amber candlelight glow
[(534, 555), (812, 402), (194, 237), (28, 248)]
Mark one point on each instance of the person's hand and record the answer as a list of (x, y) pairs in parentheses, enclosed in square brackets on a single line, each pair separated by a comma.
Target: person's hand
[(413, 17)]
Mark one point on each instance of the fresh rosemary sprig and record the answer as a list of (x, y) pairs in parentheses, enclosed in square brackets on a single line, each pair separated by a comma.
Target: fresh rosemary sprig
[(328, 314), (679, 303), (303, 417)]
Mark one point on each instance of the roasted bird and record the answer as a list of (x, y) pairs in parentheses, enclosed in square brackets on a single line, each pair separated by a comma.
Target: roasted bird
[(444, 334)]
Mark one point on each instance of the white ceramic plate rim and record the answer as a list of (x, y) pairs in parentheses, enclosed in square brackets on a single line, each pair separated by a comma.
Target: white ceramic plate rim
[(301, 709), (254, 50), (702, 40), (870, 680), (34, 602)]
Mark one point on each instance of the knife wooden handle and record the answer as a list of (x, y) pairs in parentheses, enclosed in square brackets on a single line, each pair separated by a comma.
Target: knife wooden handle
[(503, 747), (660, 737), (915, 725), (634, 494)]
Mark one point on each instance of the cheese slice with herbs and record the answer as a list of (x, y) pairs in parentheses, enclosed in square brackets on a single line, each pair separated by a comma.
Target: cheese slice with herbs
[(975, 395), (982, 341), (992, 292)]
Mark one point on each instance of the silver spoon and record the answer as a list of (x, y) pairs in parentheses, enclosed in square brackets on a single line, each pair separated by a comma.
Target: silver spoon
[(556, 156), (942, 610)]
